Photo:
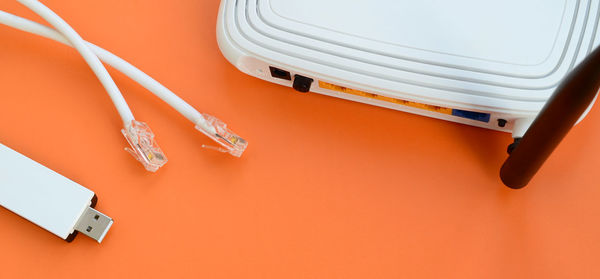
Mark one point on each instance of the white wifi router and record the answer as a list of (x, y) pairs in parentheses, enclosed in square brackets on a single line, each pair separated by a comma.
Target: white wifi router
[(490, 64)]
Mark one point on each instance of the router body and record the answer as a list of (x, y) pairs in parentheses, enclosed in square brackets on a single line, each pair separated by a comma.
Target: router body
[(527, 67), (491, 64)]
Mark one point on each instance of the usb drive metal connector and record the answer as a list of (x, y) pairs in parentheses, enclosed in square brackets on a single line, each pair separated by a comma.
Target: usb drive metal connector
[(94, 224)]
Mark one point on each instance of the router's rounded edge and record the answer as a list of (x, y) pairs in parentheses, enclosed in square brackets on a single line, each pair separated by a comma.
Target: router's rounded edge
[(226, 45)]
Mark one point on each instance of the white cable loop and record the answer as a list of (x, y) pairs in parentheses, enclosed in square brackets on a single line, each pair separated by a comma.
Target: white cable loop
[(114, 61), (78, 43)]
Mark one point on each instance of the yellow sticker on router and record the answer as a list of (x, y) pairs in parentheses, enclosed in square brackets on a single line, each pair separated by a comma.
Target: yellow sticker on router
[(342, 89)]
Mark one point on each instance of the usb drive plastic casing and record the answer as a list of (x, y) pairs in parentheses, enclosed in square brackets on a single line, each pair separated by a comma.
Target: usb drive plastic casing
[(48, 199)]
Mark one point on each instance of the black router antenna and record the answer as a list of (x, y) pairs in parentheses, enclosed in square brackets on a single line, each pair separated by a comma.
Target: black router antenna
[(566, 106)]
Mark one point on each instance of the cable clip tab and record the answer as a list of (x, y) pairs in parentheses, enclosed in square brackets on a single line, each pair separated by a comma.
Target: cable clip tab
[(143, 146), (217, 130)]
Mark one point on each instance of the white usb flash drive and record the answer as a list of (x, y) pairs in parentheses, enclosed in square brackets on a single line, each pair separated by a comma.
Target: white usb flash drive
[(49, 199)]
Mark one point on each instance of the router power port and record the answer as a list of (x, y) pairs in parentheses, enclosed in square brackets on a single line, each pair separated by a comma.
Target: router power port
[(302, 83)]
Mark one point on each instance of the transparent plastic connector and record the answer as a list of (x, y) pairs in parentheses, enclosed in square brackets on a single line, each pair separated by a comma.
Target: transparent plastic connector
[(217, 130), (143, 147)]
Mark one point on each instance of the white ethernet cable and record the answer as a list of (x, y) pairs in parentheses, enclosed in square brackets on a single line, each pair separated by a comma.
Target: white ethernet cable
[(139, 136), (92, 60), (209, 125)]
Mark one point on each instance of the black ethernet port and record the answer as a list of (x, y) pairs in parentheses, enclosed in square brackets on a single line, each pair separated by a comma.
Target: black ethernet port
[(279, 73)]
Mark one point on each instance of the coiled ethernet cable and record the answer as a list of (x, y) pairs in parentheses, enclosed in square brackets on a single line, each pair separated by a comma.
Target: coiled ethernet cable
[(138, 134), (209, 125)]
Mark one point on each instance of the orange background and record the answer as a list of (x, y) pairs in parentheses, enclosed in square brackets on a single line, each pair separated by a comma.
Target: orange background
[(327, 188)]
